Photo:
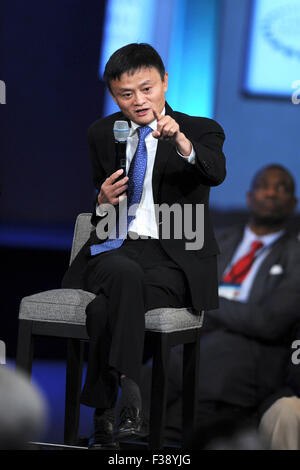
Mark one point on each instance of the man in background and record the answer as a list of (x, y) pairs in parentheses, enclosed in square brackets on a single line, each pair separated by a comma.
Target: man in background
[(246, 372)]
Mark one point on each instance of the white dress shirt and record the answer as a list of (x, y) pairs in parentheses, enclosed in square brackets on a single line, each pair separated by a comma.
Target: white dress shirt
[(144, 223)]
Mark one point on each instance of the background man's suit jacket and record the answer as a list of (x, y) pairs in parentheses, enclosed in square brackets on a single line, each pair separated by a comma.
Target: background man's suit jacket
[(245, 356), (174, 181)]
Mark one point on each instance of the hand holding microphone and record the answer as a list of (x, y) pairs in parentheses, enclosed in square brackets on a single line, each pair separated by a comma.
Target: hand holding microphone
[(116, 184), (112, 188), (121, 132)]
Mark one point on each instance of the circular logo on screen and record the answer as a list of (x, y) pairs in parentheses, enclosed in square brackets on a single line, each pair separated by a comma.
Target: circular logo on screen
[(281, 28)]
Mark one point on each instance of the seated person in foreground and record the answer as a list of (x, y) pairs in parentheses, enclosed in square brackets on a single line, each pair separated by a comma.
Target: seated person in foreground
[(171, 158)]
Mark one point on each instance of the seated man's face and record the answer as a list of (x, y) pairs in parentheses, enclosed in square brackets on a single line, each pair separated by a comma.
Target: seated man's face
[(271, 200), (138, 93)]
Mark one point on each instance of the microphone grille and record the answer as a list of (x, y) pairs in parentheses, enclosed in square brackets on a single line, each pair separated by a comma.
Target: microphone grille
[(121, 131)]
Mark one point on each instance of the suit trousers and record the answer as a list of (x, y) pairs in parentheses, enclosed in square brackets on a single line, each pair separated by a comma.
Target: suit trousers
[(128, 281)]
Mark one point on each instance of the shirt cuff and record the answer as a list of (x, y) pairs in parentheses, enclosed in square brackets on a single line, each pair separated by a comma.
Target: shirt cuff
[(191, 157), (101, 210)]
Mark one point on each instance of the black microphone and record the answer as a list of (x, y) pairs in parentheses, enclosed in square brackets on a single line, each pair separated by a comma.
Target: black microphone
[(121, 133)]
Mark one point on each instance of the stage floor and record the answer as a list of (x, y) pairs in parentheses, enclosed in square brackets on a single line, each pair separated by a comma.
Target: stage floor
[(49, 377)]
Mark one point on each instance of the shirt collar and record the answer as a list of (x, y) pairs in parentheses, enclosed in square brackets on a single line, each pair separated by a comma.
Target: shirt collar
[(153, 124), (266, 239)]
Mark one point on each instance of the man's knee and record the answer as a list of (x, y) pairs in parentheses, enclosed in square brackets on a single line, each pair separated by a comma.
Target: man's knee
[(285, 409), (128, 271), (117, 272), (280, 424), (121, 268)]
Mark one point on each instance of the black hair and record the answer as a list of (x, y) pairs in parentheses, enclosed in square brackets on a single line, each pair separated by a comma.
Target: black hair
[(275, 166), (131, 58)]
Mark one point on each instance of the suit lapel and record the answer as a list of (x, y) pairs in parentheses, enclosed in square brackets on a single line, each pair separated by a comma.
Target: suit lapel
[(110, 162), (261, 283), (228, 248)]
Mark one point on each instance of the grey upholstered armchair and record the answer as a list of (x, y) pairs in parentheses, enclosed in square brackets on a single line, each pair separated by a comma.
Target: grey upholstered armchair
[(61, 313)]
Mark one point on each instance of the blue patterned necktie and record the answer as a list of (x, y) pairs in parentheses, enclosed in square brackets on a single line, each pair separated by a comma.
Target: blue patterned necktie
[(136, 176)]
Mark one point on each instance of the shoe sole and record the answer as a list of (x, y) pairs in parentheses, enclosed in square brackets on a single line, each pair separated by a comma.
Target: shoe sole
[(112, 446), (129, 434)]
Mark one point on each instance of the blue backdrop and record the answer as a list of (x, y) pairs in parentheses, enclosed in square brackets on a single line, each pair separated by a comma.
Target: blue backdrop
[(52, 59)]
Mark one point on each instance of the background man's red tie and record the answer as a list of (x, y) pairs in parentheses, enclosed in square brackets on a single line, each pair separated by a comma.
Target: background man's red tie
[(241, 268)]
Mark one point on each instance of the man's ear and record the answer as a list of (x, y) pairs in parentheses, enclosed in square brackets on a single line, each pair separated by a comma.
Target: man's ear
[(165, 81)]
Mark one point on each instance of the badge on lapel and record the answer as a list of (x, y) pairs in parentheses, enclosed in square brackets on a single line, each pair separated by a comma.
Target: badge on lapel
[(229, 291)]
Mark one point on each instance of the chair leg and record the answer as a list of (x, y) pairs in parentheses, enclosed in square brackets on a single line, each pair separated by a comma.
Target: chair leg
[(191, 355), (75, 354), (159, 391), (25, 347)]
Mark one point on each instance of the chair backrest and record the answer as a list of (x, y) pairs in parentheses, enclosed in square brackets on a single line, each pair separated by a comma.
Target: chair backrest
[(82, 232)]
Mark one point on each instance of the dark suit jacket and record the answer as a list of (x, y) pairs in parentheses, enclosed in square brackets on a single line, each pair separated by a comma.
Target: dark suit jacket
[(174, 181), (245, 348)]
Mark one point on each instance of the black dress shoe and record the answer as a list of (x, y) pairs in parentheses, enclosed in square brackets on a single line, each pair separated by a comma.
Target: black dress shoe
[(103, 435), (130, 423)]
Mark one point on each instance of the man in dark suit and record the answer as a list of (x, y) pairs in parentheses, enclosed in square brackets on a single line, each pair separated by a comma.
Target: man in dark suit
[(245, 348), (171, 158)]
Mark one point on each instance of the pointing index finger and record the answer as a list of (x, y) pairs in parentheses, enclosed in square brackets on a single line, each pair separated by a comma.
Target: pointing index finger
[(156, 115)]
